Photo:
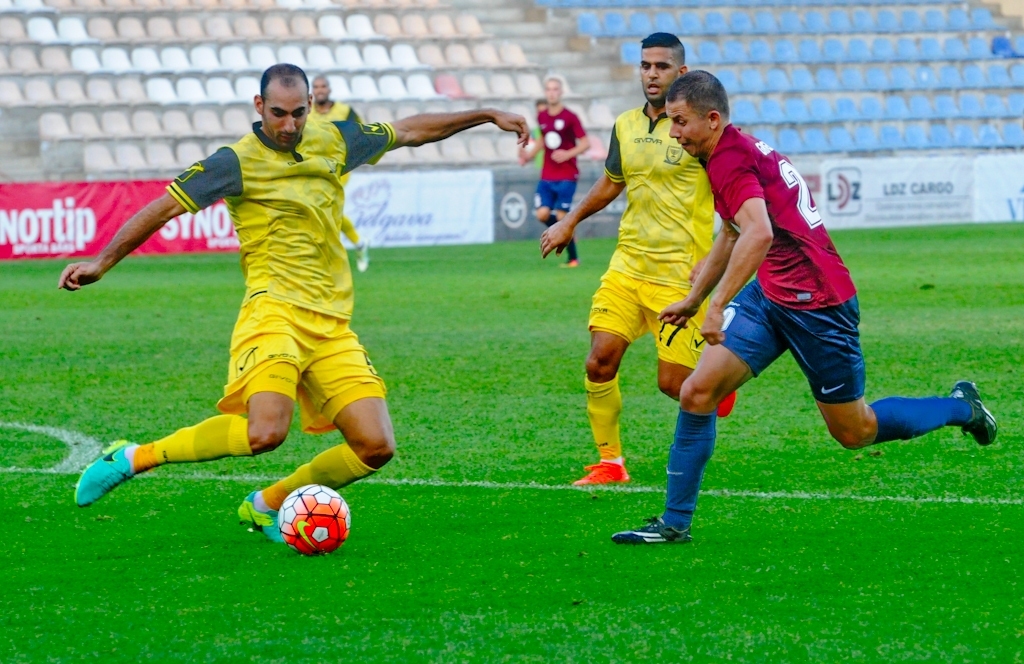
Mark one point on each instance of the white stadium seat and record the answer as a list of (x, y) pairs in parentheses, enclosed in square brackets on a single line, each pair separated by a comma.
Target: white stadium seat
[(188, 154), (364, 87), (53, 127), (507, 148), (475, 85), (262, 57), (146, 123), (246, 88), (10, 94), (319, 58), (175, 59), (512, 54), (161, 91), (72, 30), (348, 57), (160, 156), (24, 60), (190, 90), (115, 123), (30, 5), (427, 153), (219, 89), (115, 60), (84, 124), (100, 90), (376, 57), (358, 26), (204, 58), (233, 58), (403, 55), (176, 123), (482, 149), (237, 122), (84, 59), (129, 157), (292, 55), (339, 87), (55, 59), (432, 56), (485, 55), (41, 30), (379, 114), (392, 87), (130, 90), (145, 59), (69, 91), (454, 149), (206, 123), (421, 87), (530, 86), (39, 92), (331, 27), (97, 159)]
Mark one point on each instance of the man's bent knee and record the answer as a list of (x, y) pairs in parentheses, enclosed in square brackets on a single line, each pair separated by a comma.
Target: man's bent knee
[(697, 399), (375, 452), (853, 438), (602, 367), (264, 438)]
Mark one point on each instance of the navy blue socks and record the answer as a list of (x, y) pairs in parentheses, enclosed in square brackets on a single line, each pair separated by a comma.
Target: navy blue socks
[(900, 418), (694, 443)]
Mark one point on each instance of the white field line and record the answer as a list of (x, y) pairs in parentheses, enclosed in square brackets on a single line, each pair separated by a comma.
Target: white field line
[(84, 449)]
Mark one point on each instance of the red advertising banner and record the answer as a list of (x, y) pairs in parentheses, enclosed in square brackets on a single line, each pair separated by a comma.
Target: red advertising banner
[(62, 219)]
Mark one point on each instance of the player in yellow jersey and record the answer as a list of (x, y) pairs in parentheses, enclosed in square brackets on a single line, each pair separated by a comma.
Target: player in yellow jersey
[(292, 342), (665, 231), (325, 110)]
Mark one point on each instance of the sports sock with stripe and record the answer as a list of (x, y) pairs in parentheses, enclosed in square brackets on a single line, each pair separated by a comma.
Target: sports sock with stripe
[(900, 418), (604, 404), (215, 438), (336, 467), (687, 458)]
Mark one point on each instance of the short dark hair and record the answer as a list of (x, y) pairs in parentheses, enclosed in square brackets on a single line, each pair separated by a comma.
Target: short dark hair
[(665, 40), (289, 75), (701, 91)]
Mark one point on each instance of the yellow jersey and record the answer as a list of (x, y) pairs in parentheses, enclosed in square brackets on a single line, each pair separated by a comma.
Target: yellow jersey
[(287, 208), (669, 218), (340, 112)]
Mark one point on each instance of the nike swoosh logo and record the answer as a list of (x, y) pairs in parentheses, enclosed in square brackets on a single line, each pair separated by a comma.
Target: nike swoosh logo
[(831, 390), (301, 526)]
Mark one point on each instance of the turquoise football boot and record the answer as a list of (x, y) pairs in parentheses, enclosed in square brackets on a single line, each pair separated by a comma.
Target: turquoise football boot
[(104, 474), (265, 522)]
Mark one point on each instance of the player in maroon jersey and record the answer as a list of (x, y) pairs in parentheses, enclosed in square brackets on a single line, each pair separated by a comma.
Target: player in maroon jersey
[(803, 300)]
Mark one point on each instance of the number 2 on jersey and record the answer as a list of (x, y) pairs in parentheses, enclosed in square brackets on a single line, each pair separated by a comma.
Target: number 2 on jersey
[(804, 204)]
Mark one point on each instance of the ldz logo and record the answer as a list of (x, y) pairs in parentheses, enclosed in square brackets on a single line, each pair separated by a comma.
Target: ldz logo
[(843, 190), (513, 210)]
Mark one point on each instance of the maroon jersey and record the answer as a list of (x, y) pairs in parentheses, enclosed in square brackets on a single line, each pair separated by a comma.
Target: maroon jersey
[(559, 132), (802, 270)]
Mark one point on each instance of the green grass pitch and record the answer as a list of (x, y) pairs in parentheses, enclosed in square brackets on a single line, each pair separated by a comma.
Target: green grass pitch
[(483, 349)]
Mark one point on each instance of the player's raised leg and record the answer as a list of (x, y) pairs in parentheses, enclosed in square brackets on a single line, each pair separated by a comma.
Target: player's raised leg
[(604, 406), (719, 373)]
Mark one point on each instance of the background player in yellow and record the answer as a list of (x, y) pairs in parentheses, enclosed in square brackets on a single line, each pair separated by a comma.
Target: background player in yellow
[(292, 342), (325, 110), (665, 230)]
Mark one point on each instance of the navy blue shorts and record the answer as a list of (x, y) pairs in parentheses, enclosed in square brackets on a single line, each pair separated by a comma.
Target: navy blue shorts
[(824, 342), (555, 194)]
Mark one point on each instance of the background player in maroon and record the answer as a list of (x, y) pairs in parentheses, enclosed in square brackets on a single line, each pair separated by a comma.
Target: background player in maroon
[(562, 139), (803, 300)]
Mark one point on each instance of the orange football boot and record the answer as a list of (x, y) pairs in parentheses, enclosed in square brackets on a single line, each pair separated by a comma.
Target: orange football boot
[(604, 473), (726, 406)]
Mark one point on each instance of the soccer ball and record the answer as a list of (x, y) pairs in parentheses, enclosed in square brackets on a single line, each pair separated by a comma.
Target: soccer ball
[(314, 519)]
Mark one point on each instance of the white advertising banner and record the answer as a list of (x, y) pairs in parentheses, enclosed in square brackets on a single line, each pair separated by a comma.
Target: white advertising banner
[(422, 208), (999, 188), (864, 193)]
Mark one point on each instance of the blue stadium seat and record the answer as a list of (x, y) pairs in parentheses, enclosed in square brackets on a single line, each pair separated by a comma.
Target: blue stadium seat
[(840, 139), (1013, 135), (863, 21), (851, 78), (865, 138), (826, 79), (958, 21), (629, 53), (776, 81), (886, 21), (857, 50), (939, 136), (765, 23), (974, 77), (771, 112), (588, 24), (690, 24), (615, 25), (949, 77), (760, 51), (815, 141), (789, 22), (1018, 45), (981, 19), (809, 51), (839, 21), (751, 81), (882, 50), (932, 50), (740, 23), (952, 49), (995, 107), (988, 136), (802, 79), (729, 80), (814, 23), (910, 21), (744, 112), (714, 24), (1017, 75), (901, 79), (766, 134), (734, 51), (998, 77), (640, 24), (906, 49), (790, 142), (846, 110), (963, 136), (1002, 48), (970, 106), (821, 110), (925, 78), (708, 53), (915, 137), (665, 22), (871, 108), (978, 49), (876, 78), (934, 21), (945, 107), (890, 138), (896, 108), (1016, 103), (785, 51), (832, 51), (796, 110), (920, 108)]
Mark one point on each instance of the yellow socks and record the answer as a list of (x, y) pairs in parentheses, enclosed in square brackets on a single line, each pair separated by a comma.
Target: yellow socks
[(604, 403), (221, 436), (336, 467)]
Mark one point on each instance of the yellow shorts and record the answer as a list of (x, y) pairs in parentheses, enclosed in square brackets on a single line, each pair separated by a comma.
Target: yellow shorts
[(628, 307), (332, 368)]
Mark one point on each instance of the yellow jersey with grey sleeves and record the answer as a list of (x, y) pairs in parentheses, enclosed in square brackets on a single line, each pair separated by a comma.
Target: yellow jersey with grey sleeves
[(340, 112), (669, 218), (287, 208)]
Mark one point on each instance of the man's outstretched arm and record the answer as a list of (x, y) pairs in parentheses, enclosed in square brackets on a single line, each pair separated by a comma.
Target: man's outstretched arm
[(135, 231), (429, 127)]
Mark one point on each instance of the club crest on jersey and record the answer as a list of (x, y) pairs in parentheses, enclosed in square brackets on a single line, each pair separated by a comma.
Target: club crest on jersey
[(373, 130), (192, 170), (673, 154)]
